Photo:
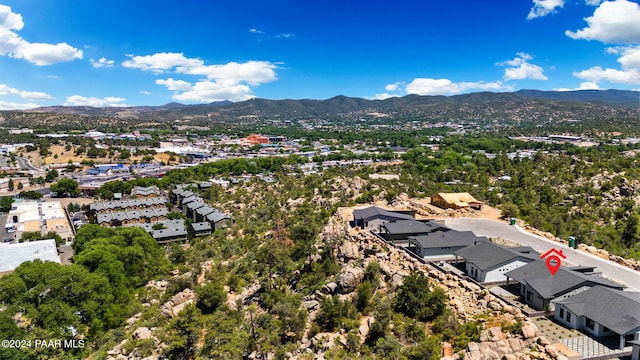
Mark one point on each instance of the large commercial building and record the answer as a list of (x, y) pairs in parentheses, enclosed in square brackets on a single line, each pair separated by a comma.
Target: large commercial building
[(38, 216)]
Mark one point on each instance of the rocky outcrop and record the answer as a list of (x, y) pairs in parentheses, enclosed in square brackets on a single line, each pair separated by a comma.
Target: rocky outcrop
[(178, 302), (494, 345), (142, 333), (349, 279)]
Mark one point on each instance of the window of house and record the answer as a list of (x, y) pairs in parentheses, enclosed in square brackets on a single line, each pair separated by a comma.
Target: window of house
[(561, 313), (529, 295), (568, 316), (590, 324)]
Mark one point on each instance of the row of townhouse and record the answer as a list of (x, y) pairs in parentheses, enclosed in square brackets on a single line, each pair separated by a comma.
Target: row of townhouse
[(206, 219), (126, 205), (143, 192), (143, 216)]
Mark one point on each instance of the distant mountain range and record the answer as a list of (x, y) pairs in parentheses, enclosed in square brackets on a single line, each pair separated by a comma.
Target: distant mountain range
[(345, 105)]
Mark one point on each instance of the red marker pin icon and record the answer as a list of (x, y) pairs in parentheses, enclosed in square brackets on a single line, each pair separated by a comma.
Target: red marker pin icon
[(553, 260)]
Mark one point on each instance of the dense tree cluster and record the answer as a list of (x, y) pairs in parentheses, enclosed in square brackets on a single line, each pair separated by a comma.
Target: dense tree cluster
[(82, 300)]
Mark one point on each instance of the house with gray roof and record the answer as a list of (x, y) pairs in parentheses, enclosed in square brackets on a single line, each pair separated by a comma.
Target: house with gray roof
[(201, 213), (489, 262), (187, 200), (443, 244), (540, 289), (399, 231), (372, 217), (190, 208), (145, 192), (174, 231), (219, 220), (602, 311), (201, 228)]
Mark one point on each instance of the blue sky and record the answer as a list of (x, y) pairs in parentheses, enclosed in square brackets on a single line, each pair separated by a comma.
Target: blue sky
[(138, 52)]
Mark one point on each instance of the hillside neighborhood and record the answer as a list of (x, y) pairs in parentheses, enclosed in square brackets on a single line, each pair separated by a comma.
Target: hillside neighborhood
[(518, 271)]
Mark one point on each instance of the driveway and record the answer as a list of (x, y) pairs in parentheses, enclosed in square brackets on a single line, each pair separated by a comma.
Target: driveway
[(496, 228)]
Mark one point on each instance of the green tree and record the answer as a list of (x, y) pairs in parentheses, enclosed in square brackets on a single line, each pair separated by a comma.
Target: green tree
[(31, 195), (210, 296), (11, 185), (183, 333), (415, 299), (51, 176), (631, 233), (5, 203), (66, 188)]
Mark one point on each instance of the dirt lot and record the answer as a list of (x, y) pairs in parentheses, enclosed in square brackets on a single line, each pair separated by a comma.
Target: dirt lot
[(426, 211), (61, 156)]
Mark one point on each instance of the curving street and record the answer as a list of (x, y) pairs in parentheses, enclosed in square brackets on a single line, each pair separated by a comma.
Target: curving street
[(501, 229)]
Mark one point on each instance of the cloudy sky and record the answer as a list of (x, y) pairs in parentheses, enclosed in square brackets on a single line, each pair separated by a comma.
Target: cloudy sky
[(113, 53)]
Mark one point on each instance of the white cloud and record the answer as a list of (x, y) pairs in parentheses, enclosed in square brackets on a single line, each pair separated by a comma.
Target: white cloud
[(210, 91), (544, 7), (393, 87), (251, 72), (35, 95), (102, 62), (428, 86), (286, 35), (78, 100), (174, 85), (255, 31), (12, 45), (612, 22), (145, 92), (519, 68), (31, 95), (16, 106), (593, 2), (629, 73), (384, 96), (232, 79), (583, 86)]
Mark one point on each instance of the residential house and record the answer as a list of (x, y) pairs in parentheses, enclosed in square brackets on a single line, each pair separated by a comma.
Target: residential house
[(191, 207), (400, 231), (219, 220), (202, 212), (456, 201), (443, 244), (201, 228), (187, 200), (372, 217), (172, 230), (540, 289), (145, 192), (205, 185), (488, 262), (602, 311)]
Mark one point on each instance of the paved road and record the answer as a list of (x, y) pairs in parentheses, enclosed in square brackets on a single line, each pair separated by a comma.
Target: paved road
[(495, 228), (25, 163)]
